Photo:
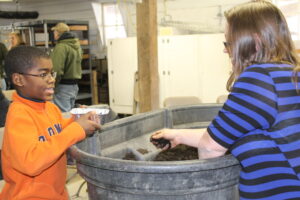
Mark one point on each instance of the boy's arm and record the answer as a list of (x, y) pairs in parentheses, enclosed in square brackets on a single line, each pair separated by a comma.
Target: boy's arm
[(67, 121), (66, 118), (29, 155)]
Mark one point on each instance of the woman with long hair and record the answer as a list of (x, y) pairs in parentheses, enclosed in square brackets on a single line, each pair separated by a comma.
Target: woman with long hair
[(15, 39), (260, 122)]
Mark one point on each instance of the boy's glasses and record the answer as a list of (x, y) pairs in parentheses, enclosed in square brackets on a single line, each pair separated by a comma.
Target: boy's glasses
[(43, 75)]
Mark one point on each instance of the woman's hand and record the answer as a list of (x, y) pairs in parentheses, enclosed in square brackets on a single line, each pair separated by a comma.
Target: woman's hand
[(165, 138), (198, 138)]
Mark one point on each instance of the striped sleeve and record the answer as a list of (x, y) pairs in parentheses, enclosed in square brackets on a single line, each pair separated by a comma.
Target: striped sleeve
[(251, 105)]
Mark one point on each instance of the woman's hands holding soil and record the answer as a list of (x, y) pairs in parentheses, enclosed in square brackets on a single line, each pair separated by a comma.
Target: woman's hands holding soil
[(165, 138)]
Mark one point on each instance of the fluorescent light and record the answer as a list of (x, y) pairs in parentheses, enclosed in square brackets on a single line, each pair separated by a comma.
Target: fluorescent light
[(6, 0)]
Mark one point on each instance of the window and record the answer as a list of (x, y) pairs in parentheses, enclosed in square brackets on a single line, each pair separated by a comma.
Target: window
[(113, 22)]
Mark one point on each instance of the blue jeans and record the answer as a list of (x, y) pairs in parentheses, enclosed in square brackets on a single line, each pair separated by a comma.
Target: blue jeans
[(64, 96), (3, 84)]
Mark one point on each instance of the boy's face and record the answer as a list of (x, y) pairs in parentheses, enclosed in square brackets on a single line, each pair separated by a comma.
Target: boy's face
[(36, 87)]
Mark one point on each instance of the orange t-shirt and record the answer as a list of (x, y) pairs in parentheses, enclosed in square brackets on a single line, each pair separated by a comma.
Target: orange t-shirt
[(33, 153)]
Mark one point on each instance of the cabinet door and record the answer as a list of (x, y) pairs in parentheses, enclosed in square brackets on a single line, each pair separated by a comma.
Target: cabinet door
[(162, 68), (122, 65), (178, 66), (214, 67)]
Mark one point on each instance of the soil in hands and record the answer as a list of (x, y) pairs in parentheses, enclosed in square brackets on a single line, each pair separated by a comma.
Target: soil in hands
[(180, 152)]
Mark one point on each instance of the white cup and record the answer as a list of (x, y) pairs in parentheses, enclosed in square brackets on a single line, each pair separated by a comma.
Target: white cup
[(100, 112)]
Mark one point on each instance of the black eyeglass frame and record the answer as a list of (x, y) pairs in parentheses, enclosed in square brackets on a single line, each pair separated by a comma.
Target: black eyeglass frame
[(226, 44), (42, 75)]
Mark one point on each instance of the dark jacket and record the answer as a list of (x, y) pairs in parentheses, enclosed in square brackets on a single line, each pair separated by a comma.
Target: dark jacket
[(66, 57), (3, 52), (4, 103)]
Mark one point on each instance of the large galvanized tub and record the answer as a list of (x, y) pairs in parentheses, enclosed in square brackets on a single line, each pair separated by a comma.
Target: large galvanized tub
[(100, 161)]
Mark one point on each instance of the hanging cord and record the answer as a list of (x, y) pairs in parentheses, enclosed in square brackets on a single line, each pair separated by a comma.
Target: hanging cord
[(166, 17), (17, 5), (14, 19)]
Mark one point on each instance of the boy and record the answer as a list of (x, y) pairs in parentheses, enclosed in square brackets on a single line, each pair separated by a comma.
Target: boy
[(36, 136)]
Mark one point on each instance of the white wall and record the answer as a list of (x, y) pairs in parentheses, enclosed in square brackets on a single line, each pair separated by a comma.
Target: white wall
[(185, 16)]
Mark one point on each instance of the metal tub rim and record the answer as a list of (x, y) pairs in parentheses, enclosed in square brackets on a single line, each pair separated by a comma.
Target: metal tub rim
[(117, 164)]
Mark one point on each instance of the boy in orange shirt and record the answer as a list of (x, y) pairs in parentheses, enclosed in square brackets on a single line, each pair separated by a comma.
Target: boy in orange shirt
[(36, 135)]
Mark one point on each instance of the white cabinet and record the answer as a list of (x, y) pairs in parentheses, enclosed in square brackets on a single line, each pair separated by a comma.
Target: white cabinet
[(189, 65), (214, 65), (122, 64), (178, 65)]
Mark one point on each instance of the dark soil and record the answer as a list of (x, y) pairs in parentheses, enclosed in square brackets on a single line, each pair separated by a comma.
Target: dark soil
[(129, 156), (180, 152), (143, 151)]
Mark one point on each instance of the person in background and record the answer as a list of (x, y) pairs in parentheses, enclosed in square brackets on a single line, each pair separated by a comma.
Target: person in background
[(36, 135), (66, 58), (3, 52), (15, 39), (4, 103), (260, 121)]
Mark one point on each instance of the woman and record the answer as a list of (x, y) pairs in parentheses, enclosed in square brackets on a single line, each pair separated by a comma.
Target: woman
[(260, 122), (3, 52), (15, 39)]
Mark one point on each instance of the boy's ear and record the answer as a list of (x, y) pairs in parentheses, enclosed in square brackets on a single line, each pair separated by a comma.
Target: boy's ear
[(17, 79)]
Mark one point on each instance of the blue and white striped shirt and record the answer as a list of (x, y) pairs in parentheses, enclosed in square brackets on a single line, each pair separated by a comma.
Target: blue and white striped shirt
[(260, 125)]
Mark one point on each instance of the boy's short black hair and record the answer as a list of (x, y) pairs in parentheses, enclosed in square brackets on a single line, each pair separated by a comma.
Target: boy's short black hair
[(22, 58)]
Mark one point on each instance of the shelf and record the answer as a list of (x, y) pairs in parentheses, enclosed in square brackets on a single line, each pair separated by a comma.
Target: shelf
[(84, 42), (72, 28), (84, 47), (86, 71), (42, 43), (78, 28), (38, 23), (84, 83), (83, 96), (85, 56)]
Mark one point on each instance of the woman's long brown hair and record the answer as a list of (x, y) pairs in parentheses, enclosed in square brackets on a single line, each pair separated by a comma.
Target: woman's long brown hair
[(258, 33)]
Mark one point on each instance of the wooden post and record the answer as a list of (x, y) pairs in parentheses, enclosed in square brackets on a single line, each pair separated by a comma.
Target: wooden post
[(147, 55), (94, 88)]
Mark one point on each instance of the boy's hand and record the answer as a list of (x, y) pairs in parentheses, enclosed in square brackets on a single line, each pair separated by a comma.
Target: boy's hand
[(87, 123), (77, 105)]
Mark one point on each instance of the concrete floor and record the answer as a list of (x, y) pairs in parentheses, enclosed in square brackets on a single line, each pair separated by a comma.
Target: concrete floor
[(74, 182), (76, 186)]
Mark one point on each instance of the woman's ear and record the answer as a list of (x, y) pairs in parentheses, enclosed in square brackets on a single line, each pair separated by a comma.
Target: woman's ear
[(17, 79)]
